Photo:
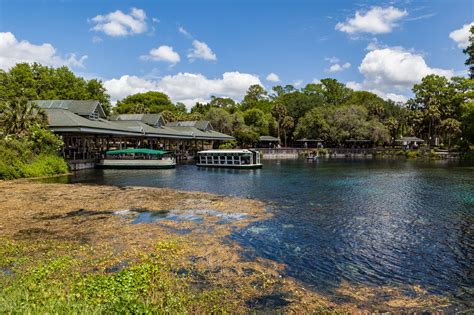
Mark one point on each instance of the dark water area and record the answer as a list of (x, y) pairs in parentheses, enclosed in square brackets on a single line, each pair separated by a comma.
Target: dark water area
[(362, 222)]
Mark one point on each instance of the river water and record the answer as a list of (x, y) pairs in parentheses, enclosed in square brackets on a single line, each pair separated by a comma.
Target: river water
[(362, 222)]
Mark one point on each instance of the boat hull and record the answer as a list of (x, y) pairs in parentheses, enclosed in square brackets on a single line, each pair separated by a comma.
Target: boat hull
[(136, 164), (245, 167)]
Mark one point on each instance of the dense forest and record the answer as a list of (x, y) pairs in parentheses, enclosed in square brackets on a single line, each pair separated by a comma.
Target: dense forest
[(441, 110)]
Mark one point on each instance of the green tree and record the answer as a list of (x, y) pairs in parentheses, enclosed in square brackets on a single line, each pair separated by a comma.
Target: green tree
[(392, 125), (254, 95), (246, 137), (433, 98), (279, 112), (222, 102), (152, 102), (38, 82), (451, 129), (313, 125), (469, 51), (334, 92), (18, 117), (220, 119), (181, 107), (257, 120), (288, 124)]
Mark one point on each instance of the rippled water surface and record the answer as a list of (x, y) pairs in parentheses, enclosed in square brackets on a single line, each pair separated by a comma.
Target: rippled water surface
[(362, 222)]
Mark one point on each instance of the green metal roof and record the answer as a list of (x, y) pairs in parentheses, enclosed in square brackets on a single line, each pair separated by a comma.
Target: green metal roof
[(138, 151), (65, 116), (149, 119), (79, 107), (268, 139)]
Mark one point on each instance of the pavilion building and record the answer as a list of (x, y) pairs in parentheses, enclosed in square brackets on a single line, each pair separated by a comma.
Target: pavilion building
[(87, 132)]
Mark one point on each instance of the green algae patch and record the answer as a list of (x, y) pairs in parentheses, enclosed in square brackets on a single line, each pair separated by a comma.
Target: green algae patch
[(58, 284)]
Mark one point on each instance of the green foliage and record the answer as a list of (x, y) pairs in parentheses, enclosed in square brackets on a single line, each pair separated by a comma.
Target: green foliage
[(37, 82), (53, 285), (246, 137), (220, 119), (255, 94), (27, 149), (469, 51), (231, 144), (148, 102), (25, 158), (413, 154), (19, 116), (257, 120)]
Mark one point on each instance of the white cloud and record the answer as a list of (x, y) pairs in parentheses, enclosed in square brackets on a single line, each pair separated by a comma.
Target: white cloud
[(201, 51), (118, 23), (377, 20), (385, 95), (461, 36), (391, 72), (297, 83), (332, 59), (338, 67), (273, 77), (183, 31), (96, 39), (13, 51), (397, 67), (184, 87), (162, 53)]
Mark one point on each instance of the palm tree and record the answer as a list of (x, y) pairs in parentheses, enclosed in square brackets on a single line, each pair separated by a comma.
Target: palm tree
[(19, 116)]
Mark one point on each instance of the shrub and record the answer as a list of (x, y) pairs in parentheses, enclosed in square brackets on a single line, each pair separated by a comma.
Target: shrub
[(413, 154), (231, 144), (24, 158)]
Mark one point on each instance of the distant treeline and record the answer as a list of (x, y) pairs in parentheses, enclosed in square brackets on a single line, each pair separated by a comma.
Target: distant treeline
[(441, 110)]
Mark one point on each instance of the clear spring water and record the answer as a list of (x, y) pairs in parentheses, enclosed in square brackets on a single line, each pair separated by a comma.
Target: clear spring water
[(365, 222)]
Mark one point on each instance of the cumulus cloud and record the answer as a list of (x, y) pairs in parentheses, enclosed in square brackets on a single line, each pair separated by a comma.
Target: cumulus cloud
[(395, 66), (336, 65), (13, 51), (461, 36), (162, 53), (385, 95), (184, 87), (377, 20), (201, 51), (391, 72), (339, 67), (273, 77), (118, 23)]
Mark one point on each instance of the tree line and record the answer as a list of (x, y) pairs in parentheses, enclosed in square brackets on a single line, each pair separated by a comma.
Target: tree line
[(441, 110)]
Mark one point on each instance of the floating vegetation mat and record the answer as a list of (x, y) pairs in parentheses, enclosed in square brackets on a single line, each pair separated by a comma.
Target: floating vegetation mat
[(102, 249)]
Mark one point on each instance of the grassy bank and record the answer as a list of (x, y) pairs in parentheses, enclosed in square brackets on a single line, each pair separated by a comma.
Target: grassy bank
[(23, 157)]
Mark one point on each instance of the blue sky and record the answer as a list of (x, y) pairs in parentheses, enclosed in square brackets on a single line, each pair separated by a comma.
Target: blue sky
[(382, 46)]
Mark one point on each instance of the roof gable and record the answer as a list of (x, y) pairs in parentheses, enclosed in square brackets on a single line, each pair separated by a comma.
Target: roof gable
[(203, 125), (89, 108), (155, 120)]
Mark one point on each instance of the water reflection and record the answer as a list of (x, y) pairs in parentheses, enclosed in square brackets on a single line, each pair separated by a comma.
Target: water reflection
[(363, 222)]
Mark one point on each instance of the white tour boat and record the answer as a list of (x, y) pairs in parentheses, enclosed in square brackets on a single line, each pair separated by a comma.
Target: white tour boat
[(137, 158), (245, 159)]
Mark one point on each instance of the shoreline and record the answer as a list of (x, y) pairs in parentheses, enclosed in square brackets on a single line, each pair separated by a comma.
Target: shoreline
[(93, 226)]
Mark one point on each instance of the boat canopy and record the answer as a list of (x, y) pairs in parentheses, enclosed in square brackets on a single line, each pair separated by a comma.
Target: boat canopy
[(138, 151)]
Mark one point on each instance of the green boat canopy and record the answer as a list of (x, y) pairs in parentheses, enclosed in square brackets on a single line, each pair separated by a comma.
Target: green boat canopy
[(138, 151)]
